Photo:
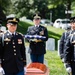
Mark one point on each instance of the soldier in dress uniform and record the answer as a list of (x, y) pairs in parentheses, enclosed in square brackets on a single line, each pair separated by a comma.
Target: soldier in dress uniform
[(69, 54), (62, 42), (13, 58), (37, 47)]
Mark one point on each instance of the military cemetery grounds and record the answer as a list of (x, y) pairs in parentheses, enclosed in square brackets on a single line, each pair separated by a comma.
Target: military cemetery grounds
[(52, 58)]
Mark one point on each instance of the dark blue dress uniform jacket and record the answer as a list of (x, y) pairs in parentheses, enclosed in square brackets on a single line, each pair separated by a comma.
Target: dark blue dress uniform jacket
[(62, 43), (39, 47), (13, 53), (70, 49)]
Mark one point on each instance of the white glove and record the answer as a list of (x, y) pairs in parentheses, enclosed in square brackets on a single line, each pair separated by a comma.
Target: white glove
[(68, 67), (69, 70), (33, 39), (63, 60), (24, 70), (1, 70)]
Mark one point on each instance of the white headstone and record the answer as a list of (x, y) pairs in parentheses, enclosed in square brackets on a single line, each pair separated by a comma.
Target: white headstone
[(58, 46), (50, 44)]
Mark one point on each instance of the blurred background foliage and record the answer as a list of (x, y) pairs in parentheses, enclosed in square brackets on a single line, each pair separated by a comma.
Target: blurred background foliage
[(44, 7)]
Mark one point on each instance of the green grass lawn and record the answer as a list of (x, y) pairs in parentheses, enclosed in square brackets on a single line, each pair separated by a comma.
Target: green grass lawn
[(54, 63)]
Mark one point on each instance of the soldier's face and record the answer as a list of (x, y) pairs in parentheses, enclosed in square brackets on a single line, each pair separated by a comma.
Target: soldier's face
[(73, 25), (36, 21), (12, 28)]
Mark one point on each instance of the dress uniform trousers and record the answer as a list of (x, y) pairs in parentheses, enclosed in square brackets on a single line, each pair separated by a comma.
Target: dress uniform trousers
[(37, 58), (73, 67), (19, 73)]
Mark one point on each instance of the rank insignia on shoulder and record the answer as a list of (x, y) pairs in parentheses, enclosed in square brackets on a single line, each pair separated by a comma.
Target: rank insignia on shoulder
[(7, 39)]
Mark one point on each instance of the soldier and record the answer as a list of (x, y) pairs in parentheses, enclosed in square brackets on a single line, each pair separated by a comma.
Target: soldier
[(13, 58), (37, 47), (62, 45), (62, 42), (69, 54)]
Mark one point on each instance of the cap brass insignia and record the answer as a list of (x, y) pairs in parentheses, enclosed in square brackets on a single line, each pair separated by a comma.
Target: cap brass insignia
[(15, 20)]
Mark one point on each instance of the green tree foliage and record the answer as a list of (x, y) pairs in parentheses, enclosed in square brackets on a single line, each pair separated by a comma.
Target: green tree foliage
[(66, 3), (2, 15), (22, 7), (29, 7), (4, 4)]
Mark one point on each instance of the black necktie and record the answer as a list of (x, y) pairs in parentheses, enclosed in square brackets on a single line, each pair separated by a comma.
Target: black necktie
[(13, 35), (36, 27)]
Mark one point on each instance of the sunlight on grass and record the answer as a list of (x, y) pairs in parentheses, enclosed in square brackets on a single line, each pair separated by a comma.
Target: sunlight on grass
[(54, 63), (55, 30)]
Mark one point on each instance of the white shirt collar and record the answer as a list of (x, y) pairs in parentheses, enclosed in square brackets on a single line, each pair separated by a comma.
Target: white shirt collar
[(37, 25), (11, 33)]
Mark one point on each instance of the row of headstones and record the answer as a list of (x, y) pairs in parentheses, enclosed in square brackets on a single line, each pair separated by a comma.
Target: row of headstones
[(50, 45)]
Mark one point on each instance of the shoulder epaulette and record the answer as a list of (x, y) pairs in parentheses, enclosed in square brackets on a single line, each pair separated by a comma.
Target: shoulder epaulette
[(19, 33)]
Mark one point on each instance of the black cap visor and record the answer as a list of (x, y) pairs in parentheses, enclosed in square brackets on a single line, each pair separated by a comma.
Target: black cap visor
[(12, 23)]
